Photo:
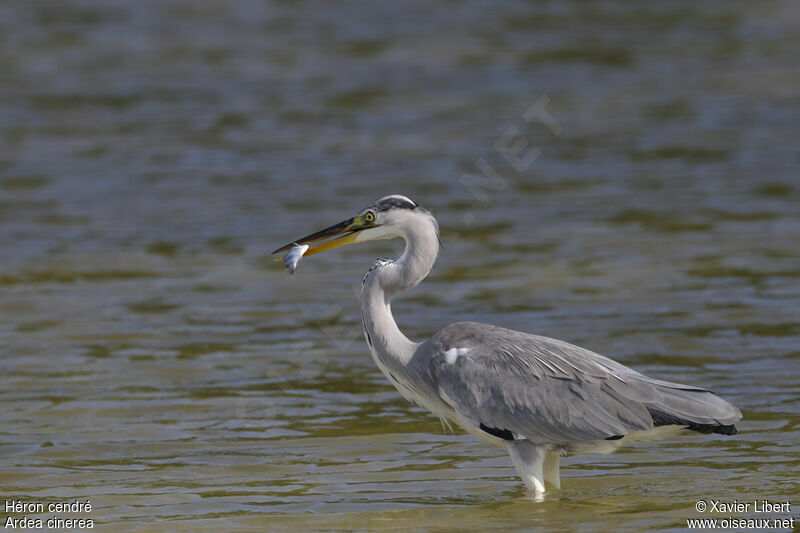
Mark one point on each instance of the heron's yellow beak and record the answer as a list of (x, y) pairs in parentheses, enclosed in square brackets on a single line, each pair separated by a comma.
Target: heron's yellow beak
[(347, 231)]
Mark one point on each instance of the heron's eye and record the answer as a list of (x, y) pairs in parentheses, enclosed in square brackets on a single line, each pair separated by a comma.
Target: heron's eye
[(370, 216)]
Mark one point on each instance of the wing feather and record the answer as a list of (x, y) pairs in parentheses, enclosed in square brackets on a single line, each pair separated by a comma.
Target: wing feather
[(550, 391)]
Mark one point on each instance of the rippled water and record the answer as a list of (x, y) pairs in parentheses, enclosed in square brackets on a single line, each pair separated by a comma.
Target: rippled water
[(157, 362)]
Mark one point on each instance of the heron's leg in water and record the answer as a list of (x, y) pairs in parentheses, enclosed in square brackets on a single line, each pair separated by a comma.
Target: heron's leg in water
[(551, 474), (529, 462)]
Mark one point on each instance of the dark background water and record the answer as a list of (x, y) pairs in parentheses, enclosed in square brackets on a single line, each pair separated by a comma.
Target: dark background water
[(153, 154)]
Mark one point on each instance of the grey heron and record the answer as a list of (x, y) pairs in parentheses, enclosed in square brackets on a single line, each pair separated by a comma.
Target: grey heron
[(538, 397)]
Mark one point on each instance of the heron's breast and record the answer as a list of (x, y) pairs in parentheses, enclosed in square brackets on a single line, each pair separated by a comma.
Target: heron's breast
[(410, 392)]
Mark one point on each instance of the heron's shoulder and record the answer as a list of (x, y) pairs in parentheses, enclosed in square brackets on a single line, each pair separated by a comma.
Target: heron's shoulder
[(466, 331), (496, 345), (475, 333)]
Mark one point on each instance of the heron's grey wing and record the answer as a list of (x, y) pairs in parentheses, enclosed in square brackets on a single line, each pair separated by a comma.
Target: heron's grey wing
[(549, 391)]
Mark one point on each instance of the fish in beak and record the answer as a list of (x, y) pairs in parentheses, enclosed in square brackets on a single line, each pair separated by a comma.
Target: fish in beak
[(292, 257), (344, 232)]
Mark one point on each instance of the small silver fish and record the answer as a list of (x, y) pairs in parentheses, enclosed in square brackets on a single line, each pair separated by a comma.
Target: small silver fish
[(293, 256)]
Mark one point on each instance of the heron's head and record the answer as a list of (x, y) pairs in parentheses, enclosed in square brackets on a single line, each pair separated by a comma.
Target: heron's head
[(391, 216)]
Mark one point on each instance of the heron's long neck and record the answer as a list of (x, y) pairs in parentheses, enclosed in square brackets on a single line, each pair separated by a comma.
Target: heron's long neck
[(389, 346)]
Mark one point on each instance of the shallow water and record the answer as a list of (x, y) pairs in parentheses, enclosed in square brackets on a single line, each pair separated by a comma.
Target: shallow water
[(158, 362)]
